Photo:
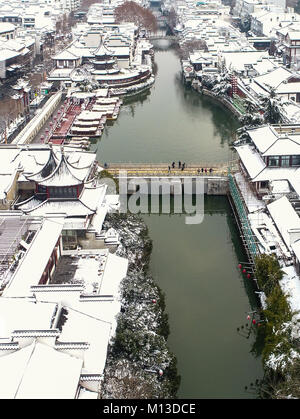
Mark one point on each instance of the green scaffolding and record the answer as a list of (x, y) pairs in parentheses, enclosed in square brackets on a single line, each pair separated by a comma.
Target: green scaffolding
[(243, 217)]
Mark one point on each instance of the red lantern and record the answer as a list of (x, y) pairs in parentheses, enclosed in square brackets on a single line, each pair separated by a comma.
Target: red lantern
[(240, 266), (248, 276), (160, 372), (244, 271), (248, 317), (254, 321), (154, 301)]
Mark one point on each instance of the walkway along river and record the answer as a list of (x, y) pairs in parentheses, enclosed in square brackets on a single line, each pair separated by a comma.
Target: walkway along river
[(207, 298)]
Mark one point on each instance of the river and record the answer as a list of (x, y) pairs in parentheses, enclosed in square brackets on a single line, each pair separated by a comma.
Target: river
[(168, 124), (207, 298)]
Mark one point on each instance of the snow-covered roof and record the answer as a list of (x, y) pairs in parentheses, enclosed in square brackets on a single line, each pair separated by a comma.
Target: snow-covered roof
[(6, 54), (283, 147), (91, 197), (285, 217), (280, 186), (35, 315), (64, 208), (115, 270), (294, 35), (238, 60), (6, 27), (65, 55), (251, 159), (39, 372), (290, 88), (65, 174), (80, 327), (37, 257), (274, 78), (263, 137), (47, 169), (102, 50)]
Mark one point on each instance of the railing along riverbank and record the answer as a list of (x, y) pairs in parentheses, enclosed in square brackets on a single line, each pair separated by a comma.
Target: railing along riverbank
[(33, 127)]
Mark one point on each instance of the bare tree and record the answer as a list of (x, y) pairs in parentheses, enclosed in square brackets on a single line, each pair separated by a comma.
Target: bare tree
[(172, 18), (130, 11), (189, 46)]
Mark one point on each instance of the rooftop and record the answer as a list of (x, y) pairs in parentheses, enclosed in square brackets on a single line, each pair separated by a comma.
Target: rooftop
[(39, 372)]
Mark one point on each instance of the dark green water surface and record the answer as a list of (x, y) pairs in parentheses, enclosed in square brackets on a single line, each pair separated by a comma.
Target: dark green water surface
[(169, 123), (207, 298)]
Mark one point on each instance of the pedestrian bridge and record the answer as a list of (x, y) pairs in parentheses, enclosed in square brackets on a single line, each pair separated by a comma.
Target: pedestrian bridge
[(168, 37), (166, 170)]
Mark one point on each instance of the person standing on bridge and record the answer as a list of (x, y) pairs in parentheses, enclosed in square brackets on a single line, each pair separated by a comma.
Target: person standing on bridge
[(169, 169), (173, 165), (210, 170), (205, 171), (179, 164)]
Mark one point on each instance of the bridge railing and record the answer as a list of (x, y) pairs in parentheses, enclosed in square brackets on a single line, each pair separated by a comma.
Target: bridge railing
[(130, 165)]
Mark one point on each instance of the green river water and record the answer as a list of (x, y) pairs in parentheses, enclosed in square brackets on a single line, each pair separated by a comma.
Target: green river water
[(207, 298)]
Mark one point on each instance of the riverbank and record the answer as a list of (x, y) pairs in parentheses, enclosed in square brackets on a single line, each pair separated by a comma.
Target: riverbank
[(139, 363)]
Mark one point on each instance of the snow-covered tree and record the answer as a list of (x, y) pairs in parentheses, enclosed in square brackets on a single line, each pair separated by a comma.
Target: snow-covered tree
[(272, 106), (138, 356), (208, 81), (252, 117), (222, 85)]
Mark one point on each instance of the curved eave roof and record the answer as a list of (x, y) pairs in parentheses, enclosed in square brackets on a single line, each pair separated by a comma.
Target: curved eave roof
[(70, 208), (64, 175), (46, 170)]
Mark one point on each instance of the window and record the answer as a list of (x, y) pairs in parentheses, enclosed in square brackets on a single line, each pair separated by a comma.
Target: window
[(274, 161), (295, 160), (264, 184), (285, 161)]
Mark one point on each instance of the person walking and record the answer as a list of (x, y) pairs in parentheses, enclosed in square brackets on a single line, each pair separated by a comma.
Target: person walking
[(179, 164), (205, 170), (173, 165), (169, 169), (202, 170)]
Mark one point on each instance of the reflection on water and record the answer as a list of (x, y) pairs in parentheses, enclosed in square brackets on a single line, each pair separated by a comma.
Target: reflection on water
[(207, 300), (169, 122)]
